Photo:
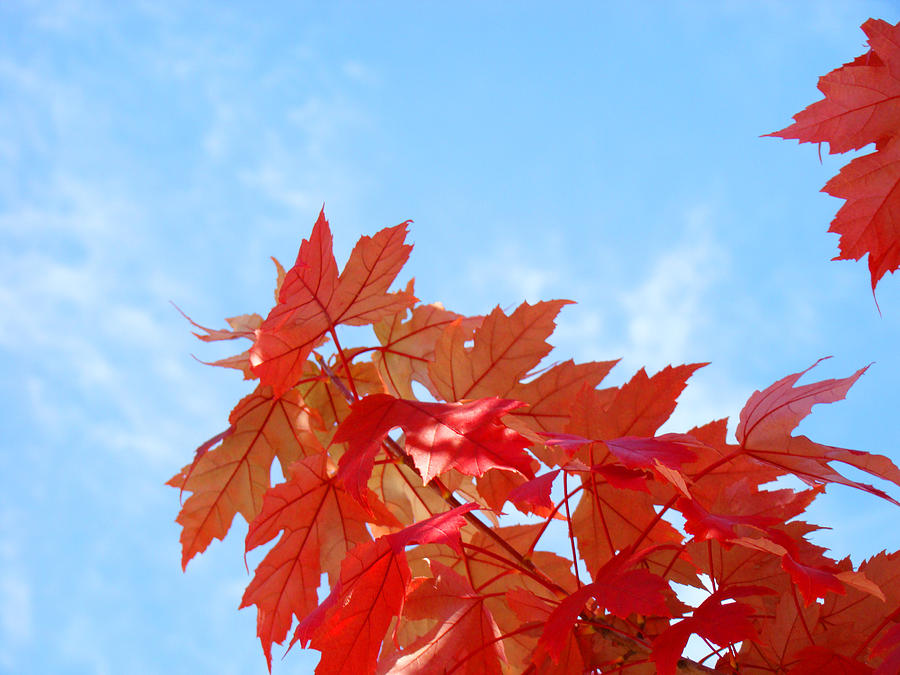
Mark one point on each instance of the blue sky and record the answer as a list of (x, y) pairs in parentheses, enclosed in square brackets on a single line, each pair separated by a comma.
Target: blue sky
[(604, 152)]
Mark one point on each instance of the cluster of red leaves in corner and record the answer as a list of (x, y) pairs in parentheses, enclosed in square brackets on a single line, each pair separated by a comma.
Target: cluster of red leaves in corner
[(862, 106), (412, 527)]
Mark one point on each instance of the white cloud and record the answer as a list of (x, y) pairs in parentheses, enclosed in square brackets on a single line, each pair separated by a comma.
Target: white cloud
[(360, 72), (665, 312), (509, 267), (274, 182), (65, 313), (219, 135), (666, 318), (303, 163)]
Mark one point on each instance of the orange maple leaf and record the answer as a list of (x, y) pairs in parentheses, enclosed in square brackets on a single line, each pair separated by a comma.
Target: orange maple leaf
[(505, 348), (407, 346), (233, 477), (465, 638)]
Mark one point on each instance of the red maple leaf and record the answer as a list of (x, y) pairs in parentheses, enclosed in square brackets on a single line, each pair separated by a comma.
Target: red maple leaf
[(464, 639), (536, 491), (638, 408), (320, 523), (812, 582), (313, 299), (889, 644), (862, 98), (439, 437), (722, 623), (769, 417), (618, 589), (739, 506), (407, 347), (869, 222), (663, 454), (349, 626), (862, 106), (820, 659), (671, 450)]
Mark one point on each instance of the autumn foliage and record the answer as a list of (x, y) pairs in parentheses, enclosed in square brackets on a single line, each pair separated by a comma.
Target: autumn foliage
[(862, 106), (478, 510)]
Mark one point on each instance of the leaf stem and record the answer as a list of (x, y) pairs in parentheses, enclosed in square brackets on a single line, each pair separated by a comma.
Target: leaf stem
[(343, 357), (569, 527), (549, 518)]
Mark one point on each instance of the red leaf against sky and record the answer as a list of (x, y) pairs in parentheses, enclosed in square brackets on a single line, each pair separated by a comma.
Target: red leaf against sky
[(536, 491), (638, 408), (604, 522), (419, 588), (721, 464), (862, 98), (243, 326), (769, 417), (812, 582), (862, 106), (869, 221), (439, 437), (314, 299), (718, 622), (549, 395), (740, 506), (349, 626), (320, 523)]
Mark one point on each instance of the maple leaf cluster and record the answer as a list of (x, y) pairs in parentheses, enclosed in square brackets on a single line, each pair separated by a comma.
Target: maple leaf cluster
[(862, 106), (518, 517)]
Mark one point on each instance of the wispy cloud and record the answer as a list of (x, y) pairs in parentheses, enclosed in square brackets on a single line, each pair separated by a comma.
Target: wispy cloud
[(65, 317), (514, 271), (16, 615), (668, 317), (668, 314)]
